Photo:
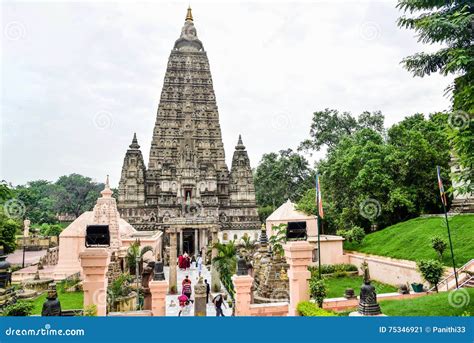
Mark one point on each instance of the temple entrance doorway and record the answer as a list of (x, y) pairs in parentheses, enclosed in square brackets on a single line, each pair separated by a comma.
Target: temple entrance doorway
[(188, 241)]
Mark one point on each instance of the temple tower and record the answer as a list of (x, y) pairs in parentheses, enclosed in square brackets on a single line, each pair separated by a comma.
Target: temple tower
[(187, 184)]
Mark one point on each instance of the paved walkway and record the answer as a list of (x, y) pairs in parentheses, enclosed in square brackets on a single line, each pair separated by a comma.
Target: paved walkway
[(31, 257), (172, 303)]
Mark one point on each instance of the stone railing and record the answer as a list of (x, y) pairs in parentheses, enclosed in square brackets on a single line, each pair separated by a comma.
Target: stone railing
[(51, 257), (269, 310), (36, 243)]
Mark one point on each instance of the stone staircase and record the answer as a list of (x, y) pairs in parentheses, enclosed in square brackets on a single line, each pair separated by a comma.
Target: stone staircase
[(469, 283), (462, 205)]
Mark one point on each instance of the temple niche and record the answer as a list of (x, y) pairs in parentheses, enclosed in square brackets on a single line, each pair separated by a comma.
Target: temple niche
[(187, 185)]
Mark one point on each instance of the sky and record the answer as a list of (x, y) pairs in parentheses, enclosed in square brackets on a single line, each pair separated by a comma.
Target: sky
[(79, 78)]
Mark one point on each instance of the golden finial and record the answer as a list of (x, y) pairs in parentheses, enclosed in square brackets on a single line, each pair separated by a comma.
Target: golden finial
[(189, 15)]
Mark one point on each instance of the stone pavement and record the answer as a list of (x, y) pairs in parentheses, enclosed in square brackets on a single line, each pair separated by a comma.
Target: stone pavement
[(31, 257), (172, 303)]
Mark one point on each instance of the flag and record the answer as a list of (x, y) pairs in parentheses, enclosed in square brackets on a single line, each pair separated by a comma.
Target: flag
[(319, 200), (441, 188)]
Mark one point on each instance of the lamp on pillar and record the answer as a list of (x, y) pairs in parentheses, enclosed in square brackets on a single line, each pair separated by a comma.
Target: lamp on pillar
[(241, 266), (158, 274)]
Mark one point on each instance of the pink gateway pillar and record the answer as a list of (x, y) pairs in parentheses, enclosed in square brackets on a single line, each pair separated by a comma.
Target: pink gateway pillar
[(298, 255), (243, 289), (95, 262), (158, 291)]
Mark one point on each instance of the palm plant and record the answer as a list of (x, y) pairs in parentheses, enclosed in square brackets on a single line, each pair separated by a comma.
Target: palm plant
[(226, 259), (134, 252)]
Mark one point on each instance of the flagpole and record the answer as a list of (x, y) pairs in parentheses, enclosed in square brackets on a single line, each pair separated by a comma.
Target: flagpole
[(318, 226), (451, 245), (443, 200)]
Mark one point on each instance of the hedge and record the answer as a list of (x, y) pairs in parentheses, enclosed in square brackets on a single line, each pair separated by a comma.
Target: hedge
[(308, 309)]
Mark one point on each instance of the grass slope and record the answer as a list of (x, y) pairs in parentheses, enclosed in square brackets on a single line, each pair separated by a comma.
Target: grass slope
[(337, 285), (411, 240), (439, 304)]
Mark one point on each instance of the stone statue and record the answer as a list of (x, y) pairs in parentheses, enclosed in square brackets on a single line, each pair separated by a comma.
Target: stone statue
[(26, 228), (147, 274), (52, 306), (368, 305)]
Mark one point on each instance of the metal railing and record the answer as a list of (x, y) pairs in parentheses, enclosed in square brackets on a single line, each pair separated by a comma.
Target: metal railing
[(450, 277)]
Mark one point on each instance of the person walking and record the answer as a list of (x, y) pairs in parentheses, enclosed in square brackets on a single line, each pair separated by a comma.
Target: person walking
[(208, 290), (218, 302), (199, 265), (187, 289)]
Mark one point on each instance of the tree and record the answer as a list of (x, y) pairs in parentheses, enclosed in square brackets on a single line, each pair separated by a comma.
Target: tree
[(8, 230), (278, 238), (134, 252), (226, 259), (448, 23), (369, 178), (76, 194), (439, 245), (431, 271), (318, 290), (39, 200), (329, 126), (281, 176)]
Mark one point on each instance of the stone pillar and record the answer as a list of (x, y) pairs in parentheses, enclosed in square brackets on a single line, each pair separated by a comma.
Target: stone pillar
[(173, 283), (95, 262), (243, 290), (158, 291), (196, 242), (26, 230), (215, 281), (204, 247), (298, 255), (181, 251), (200, 301)]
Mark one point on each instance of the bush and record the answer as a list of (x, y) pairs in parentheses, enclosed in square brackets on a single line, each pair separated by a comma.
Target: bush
[(50, 230), (333, 268), (318, 290), (308, 309), (356, 234), (19, 309), (439, 245), (90, 311), (431, 270)]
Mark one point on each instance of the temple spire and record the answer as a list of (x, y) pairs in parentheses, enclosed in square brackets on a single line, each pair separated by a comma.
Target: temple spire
[(240, 144), (107, 192), (189, 14), (134, 144)]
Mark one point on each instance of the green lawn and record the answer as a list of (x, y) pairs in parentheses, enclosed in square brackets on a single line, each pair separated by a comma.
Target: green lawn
[(337, 285), (411, 240), (69, 301), (437, 304)]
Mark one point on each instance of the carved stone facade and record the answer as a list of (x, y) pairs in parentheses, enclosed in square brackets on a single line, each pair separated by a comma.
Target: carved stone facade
[(187, 183)]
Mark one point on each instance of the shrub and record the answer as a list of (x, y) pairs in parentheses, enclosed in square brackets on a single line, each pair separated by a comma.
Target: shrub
[(356, 234), (333, 268), (439, 245), (308, 309), (19, 309), (90, 311), (318, 290), (431, 270)]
